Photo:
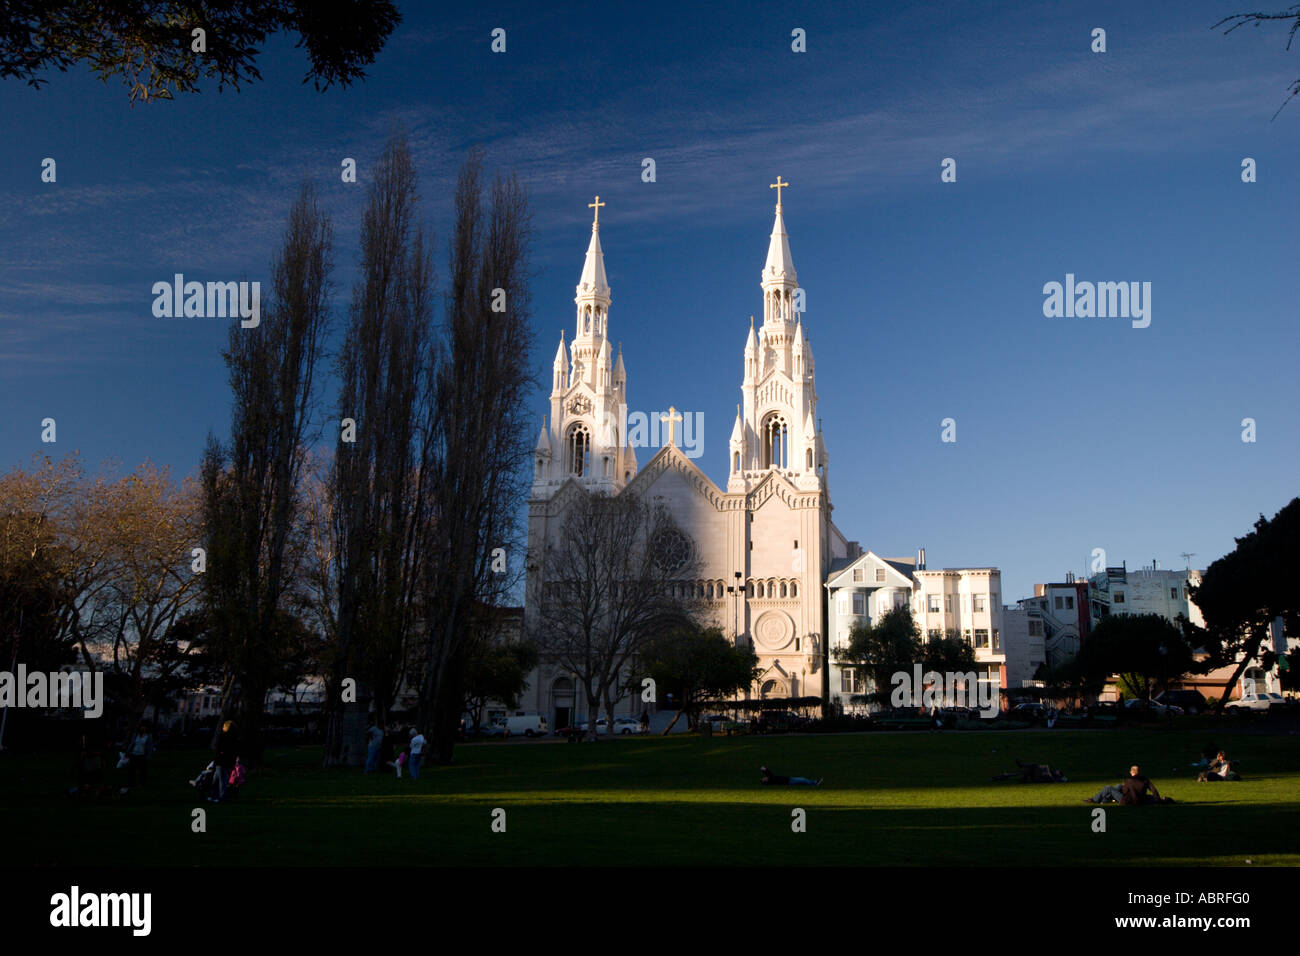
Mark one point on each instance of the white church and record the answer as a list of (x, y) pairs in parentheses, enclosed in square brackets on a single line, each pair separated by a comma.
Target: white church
[(765, 545)]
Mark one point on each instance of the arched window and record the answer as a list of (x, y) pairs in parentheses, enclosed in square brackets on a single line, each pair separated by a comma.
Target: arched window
[(586, 319), (735, 462), (794, 589), (760, 589), (607, 466), (809, 460), (783, 589), (776, 436), (578, 451)]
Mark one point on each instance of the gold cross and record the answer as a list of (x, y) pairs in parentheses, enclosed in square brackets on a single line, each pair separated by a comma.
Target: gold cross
[(597, 204), (778, 186), (671, 418)]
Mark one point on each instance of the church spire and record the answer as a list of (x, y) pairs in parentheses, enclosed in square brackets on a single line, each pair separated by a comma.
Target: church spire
[(779, 268), (778, 278), (593, 293)]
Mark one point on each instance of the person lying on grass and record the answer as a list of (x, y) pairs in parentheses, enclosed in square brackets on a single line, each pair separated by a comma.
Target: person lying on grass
[(1034, 773), (1135, 791), (778, 780)]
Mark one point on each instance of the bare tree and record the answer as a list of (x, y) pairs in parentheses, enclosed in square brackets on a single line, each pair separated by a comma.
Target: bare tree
[(476, 464), (251, 484), (379, 481), (1292, 14), (617, 576)]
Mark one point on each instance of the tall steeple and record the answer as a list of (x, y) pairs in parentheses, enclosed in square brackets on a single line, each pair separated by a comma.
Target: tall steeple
[(593, 296), (778, 279), (776, 428), (588, 415)]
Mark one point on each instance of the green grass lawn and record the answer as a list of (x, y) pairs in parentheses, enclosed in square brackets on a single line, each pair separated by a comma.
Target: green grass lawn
[(910, 799)]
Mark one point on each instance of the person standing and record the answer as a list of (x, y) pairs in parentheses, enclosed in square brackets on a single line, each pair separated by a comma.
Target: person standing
[(137, 755), (376, 738), (227, 752), (417, 753)]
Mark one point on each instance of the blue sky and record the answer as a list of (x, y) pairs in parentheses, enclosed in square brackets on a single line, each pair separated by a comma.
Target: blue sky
[(924, 299)]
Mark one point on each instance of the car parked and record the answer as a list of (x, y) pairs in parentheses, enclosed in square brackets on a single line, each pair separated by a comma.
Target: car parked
[(1152, 706), (1191, 701), (1256, 702)]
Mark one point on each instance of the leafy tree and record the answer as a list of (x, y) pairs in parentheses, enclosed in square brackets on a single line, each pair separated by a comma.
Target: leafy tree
[(153, 48), (1146, 651), (1242, 592), (876, 651), (949, 654), (496, 667), (695, 664)]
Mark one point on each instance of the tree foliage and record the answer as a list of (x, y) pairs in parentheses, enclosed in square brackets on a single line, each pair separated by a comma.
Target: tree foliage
[(881, 648), (695, 663), (151, 45), (1242, 592), (1146, 651)]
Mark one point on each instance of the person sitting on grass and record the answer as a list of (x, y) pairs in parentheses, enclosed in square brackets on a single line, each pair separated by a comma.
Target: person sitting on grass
[(775, 779), (1220, 769), (1135, 791)]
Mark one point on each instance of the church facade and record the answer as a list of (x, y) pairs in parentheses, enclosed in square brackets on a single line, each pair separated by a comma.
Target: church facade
[(763, 545)]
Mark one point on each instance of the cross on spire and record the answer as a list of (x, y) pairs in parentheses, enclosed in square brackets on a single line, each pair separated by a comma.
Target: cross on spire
[(597, 204), (778, 186), (671, 417)]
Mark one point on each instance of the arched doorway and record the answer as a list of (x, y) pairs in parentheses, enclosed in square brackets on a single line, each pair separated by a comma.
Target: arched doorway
[(562, 702)]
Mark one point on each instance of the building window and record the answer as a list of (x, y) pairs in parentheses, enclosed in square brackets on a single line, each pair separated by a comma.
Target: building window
[(966, 635), (1119, 597), (1060, 603), (997, 640), (775, 438), (934, 634), (1069, 603), (982, 638), (947, 603), (844, 603), (859, 603), (934, 604), (578, 451), (880, 575), (979, 602), (1173, 594), (859, 576), (1035, 628), (850, 683)]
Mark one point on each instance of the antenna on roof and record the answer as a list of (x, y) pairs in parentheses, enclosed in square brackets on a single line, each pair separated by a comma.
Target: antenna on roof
[(1187, 556)]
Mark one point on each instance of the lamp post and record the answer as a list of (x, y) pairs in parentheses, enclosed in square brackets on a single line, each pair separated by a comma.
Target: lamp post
[(735, 608)]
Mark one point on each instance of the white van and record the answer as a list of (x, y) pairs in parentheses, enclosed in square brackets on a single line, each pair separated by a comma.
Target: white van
[(530, 725)]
